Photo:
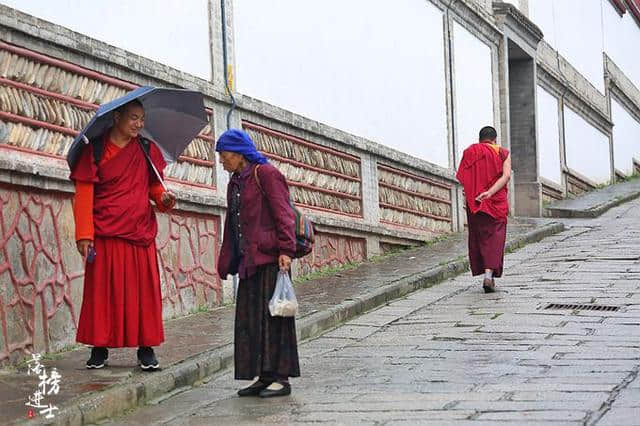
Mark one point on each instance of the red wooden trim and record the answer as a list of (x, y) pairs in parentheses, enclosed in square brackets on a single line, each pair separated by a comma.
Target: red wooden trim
[(402, 225), (205, 137), (67, 66), (413, 176), (31, 151), (37, 123), (306, 206), (309, 167), (619, 6), (326, 191), (634, 8), (415, 194), (186, 182), (198, 161), (47, 93), (253, 126), (416, 212)]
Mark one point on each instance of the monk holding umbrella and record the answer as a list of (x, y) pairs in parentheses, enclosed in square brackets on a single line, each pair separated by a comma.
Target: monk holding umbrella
[(116, 164), (484, 172)]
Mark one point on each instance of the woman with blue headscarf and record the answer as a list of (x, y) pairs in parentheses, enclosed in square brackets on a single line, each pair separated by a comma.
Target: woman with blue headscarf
[(259, 240)]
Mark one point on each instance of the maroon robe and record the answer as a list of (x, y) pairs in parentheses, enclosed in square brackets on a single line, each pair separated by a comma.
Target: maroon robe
[(122, 301), (480, 168)]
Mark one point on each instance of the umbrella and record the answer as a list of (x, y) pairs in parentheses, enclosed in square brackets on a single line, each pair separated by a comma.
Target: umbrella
[(173, 117)]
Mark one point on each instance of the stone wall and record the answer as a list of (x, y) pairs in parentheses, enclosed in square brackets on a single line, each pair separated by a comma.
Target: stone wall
[(364, 198)]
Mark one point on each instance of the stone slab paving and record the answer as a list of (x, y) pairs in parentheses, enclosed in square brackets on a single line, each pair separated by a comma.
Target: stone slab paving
[(594, 203), (451, 355), (199, 345)]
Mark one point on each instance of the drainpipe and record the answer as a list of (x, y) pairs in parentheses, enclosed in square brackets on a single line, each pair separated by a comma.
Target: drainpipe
[(225, 61)]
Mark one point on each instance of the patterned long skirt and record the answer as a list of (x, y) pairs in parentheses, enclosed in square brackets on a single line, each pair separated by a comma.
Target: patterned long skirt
[(264, 346)]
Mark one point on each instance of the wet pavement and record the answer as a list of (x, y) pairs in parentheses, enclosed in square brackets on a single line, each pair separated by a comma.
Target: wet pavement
[(452, 355), (594, 203), (199, 345)]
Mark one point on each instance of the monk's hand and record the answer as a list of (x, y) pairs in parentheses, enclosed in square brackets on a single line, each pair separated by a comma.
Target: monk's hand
[(168, 199), (285, 262), (83, 247), (483, 196)]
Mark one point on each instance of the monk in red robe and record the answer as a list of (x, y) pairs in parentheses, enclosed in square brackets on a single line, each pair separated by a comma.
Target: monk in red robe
[(484, 172), (115, 232)]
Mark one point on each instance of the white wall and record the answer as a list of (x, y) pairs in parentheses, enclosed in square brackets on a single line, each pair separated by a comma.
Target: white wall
[(173, 32), (473, 87), (587, 148), (373, 68), (574, 29), (626, 138), (548, 136), (622, 41)]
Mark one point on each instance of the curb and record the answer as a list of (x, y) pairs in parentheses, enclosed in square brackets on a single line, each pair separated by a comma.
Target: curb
[(592, 212), (144, 387)]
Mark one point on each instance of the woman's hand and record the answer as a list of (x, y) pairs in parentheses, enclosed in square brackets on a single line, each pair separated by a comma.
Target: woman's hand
[(285, 262), (83, 247), (168, 199)]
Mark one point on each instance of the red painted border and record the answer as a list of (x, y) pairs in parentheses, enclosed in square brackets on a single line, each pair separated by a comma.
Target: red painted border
[(257, 127), (416, 212), (308, 167), (414, 176), (67, 66), (619, 6), (634, 8), (47, 93), (415, 194)]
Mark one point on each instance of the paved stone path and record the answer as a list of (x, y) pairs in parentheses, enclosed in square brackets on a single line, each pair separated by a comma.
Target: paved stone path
[(451, 355)]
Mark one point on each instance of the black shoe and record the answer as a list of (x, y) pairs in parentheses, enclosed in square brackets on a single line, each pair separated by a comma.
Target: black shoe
[(284, 391), (98, 357), (254, 389), (489, 285), (147, 358)]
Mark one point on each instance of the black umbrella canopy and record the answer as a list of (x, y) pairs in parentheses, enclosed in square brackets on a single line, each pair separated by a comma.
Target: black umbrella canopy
[(173, 117)]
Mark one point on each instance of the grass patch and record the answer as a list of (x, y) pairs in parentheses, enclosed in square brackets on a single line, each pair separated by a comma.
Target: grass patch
[(326, 271)]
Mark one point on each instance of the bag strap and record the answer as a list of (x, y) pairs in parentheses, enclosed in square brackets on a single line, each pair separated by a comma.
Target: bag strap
[(255, 174)]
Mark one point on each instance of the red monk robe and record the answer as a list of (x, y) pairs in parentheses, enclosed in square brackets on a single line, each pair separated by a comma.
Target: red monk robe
[(481, 167), (122, 302)]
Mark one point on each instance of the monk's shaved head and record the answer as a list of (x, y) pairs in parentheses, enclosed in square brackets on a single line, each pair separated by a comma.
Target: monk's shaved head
[(487, 133)]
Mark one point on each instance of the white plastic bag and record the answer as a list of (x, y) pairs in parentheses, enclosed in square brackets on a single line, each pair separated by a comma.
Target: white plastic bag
[(283, 303)]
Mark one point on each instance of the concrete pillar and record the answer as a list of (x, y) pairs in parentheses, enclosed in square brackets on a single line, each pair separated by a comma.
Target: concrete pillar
[(524, 149)]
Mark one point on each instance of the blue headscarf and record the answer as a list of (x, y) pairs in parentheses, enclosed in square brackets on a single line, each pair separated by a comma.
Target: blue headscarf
[(235, 140)]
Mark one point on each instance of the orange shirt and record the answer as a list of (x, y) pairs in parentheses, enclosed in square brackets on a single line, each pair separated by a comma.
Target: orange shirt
[(83, 200)]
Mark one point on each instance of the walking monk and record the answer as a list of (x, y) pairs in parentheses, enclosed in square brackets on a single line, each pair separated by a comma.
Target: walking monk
[(115, 232), (484, 172)]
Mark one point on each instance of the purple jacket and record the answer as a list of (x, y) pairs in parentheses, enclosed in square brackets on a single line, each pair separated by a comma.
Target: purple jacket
[(267, 222)]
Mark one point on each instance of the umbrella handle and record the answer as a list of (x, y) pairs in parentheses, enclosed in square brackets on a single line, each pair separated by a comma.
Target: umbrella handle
[(146, 154)]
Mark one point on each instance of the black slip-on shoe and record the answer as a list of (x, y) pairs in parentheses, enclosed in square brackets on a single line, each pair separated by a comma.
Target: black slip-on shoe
[(254, 389), (276, 389), (489, 286), (147, 359), (98, 358)]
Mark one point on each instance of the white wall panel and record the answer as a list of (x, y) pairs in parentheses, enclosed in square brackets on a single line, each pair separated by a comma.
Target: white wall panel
[(587, 148), (574, 29), (173, 32), (473, 87), (373, 68), (548, 136), (626, 138), (622, 41)]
